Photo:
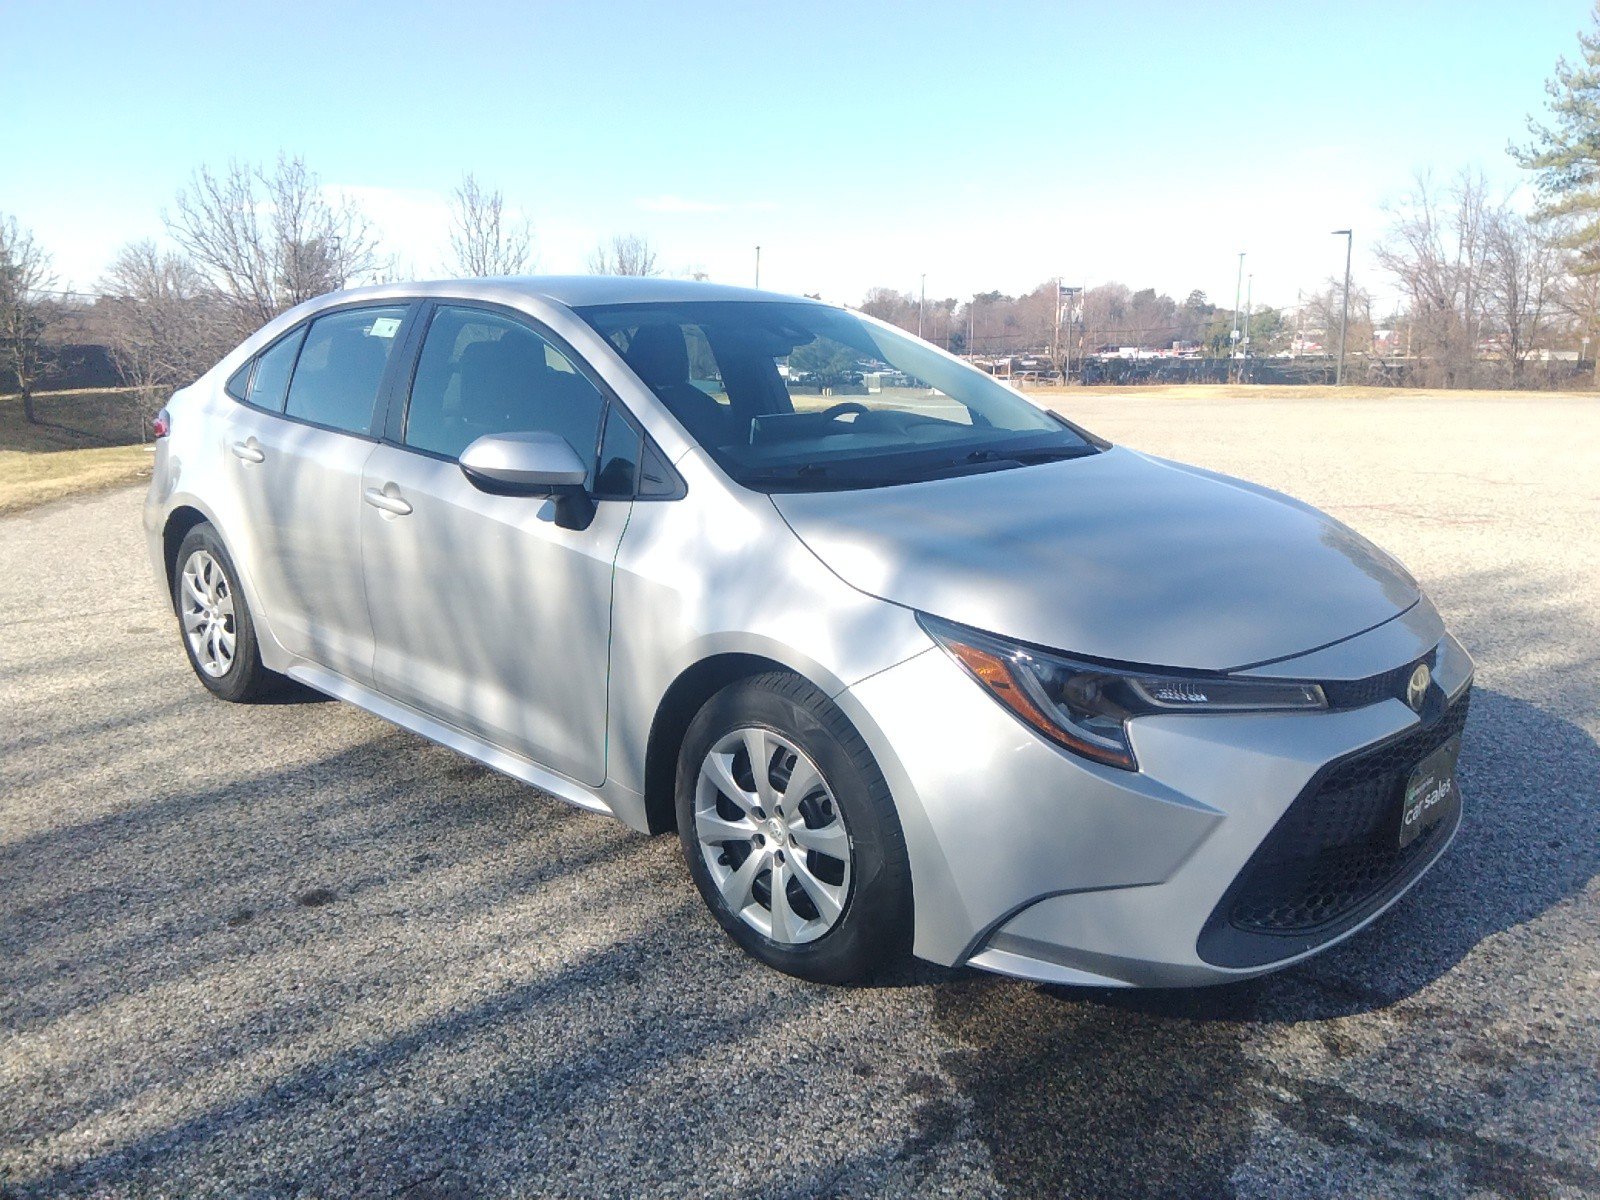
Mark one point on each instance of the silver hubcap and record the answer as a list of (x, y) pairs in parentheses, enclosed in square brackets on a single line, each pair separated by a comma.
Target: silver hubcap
[(205, 602), (772, 836)]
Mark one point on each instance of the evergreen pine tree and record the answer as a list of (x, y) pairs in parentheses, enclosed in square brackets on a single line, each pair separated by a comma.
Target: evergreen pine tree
[(1565, 153)]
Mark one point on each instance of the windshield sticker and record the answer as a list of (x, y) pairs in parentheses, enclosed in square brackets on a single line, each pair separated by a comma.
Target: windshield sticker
[(384, 327)]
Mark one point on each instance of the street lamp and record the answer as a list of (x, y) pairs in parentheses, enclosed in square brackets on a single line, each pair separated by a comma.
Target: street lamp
[(1249, 304), (1069, 313), (1055, 328), (1238, 286), (758, 266), (1344, 315), (922, 303)]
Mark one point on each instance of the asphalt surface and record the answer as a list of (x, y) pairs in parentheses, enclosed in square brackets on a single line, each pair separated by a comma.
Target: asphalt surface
[(290, 950)]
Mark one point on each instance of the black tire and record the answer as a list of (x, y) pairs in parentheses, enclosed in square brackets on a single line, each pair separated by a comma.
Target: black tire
[(247, 678), (872, 935)]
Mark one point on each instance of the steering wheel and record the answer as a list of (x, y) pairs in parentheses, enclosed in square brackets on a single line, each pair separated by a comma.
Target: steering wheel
[(834, 411)]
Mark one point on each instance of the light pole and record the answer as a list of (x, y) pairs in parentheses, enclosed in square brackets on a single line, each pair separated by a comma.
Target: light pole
[(758, 266), (1344, 315), (1249, 289), (1074, 296), (922, 303), (1238, 286), (1055, 329)]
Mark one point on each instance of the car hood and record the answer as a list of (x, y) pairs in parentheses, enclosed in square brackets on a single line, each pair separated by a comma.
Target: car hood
[(1117, 556)]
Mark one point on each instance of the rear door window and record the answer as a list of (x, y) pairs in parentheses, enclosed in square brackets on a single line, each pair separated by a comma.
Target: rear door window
[(341, 367)]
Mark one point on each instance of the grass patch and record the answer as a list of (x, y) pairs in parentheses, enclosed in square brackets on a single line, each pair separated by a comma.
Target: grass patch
[(76, 420), (34, 477), (84, 441)]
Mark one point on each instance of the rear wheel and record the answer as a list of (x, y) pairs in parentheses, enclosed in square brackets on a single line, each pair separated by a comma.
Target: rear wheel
[(790, 834), (218, 634)]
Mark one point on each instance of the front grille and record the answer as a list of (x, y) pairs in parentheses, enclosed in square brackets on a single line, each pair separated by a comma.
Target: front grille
[(1334, 857), (1387, 685)]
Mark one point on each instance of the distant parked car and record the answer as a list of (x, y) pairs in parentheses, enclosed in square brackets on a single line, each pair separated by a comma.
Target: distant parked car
[(928, 670)]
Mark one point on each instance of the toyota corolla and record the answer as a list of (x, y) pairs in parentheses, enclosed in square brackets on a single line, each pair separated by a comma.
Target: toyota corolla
[(909, 664)]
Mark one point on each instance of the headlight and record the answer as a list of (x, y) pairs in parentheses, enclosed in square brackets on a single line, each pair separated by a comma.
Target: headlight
[(1085, 707)]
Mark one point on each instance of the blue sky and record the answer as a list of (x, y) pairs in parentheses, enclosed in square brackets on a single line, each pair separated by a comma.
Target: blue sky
[(990, 146)]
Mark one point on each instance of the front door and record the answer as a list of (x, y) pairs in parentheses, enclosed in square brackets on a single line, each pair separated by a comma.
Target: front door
[(486, 614)]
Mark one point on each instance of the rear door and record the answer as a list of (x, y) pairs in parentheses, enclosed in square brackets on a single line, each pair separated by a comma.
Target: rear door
[(296, 448), (486, 614)]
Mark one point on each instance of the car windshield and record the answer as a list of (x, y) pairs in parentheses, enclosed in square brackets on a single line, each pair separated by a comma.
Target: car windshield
[(802, 397)]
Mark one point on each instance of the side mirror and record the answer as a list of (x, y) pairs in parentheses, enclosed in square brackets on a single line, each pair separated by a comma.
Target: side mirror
[(531, 464)]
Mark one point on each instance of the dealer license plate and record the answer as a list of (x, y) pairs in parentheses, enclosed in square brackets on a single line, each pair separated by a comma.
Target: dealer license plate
[(1431, 792)]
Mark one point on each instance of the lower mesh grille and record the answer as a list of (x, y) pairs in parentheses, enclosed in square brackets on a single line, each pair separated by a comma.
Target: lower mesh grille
[(1333, 857)]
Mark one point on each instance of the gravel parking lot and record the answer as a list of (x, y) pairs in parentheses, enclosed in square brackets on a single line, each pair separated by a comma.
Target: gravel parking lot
[(291, 950)]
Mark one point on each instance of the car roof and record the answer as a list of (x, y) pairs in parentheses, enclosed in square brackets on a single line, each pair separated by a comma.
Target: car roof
[(576, 291)]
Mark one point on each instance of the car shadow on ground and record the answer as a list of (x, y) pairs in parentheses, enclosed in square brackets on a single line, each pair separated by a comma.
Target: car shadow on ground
[(1133, 1093)]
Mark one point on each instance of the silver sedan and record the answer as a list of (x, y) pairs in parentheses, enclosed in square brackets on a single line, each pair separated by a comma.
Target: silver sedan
[(909, 664)]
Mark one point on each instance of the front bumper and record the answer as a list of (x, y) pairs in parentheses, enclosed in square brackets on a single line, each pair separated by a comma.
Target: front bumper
[(1029, 861)]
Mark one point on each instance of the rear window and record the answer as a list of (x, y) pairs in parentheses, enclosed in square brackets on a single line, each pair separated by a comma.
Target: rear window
[(341, 366)]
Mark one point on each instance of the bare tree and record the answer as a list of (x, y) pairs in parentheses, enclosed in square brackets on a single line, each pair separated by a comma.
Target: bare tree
[(267, 240), (1438, 252), (482, 238), (1578, 301), (1322, 313), (25, 308), (1522, 281), (887, 304), (628, 254), (164, 323)]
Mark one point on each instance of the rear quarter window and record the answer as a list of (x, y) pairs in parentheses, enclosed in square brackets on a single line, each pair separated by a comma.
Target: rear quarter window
[(268, 381)]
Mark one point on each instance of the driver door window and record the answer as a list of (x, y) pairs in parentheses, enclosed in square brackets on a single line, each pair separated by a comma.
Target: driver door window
[(482, 373)]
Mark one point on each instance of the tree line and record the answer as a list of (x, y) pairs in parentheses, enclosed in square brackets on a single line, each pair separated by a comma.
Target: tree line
[(1480, 291)]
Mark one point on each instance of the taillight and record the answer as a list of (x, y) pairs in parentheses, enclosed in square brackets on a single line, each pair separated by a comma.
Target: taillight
[(161, 423)]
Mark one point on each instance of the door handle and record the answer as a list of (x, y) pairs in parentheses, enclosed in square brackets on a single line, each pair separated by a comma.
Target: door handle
[(381, 499), (249, 451)]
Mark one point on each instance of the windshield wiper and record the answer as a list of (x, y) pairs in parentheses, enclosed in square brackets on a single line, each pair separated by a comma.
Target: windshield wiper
[(803, 471), (1029, 455), (839, 476), (847, 474)]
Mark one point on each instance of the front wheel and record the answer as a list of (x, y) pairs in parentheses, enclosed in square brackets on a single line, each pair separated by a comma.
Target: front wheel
[(790, 833)]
